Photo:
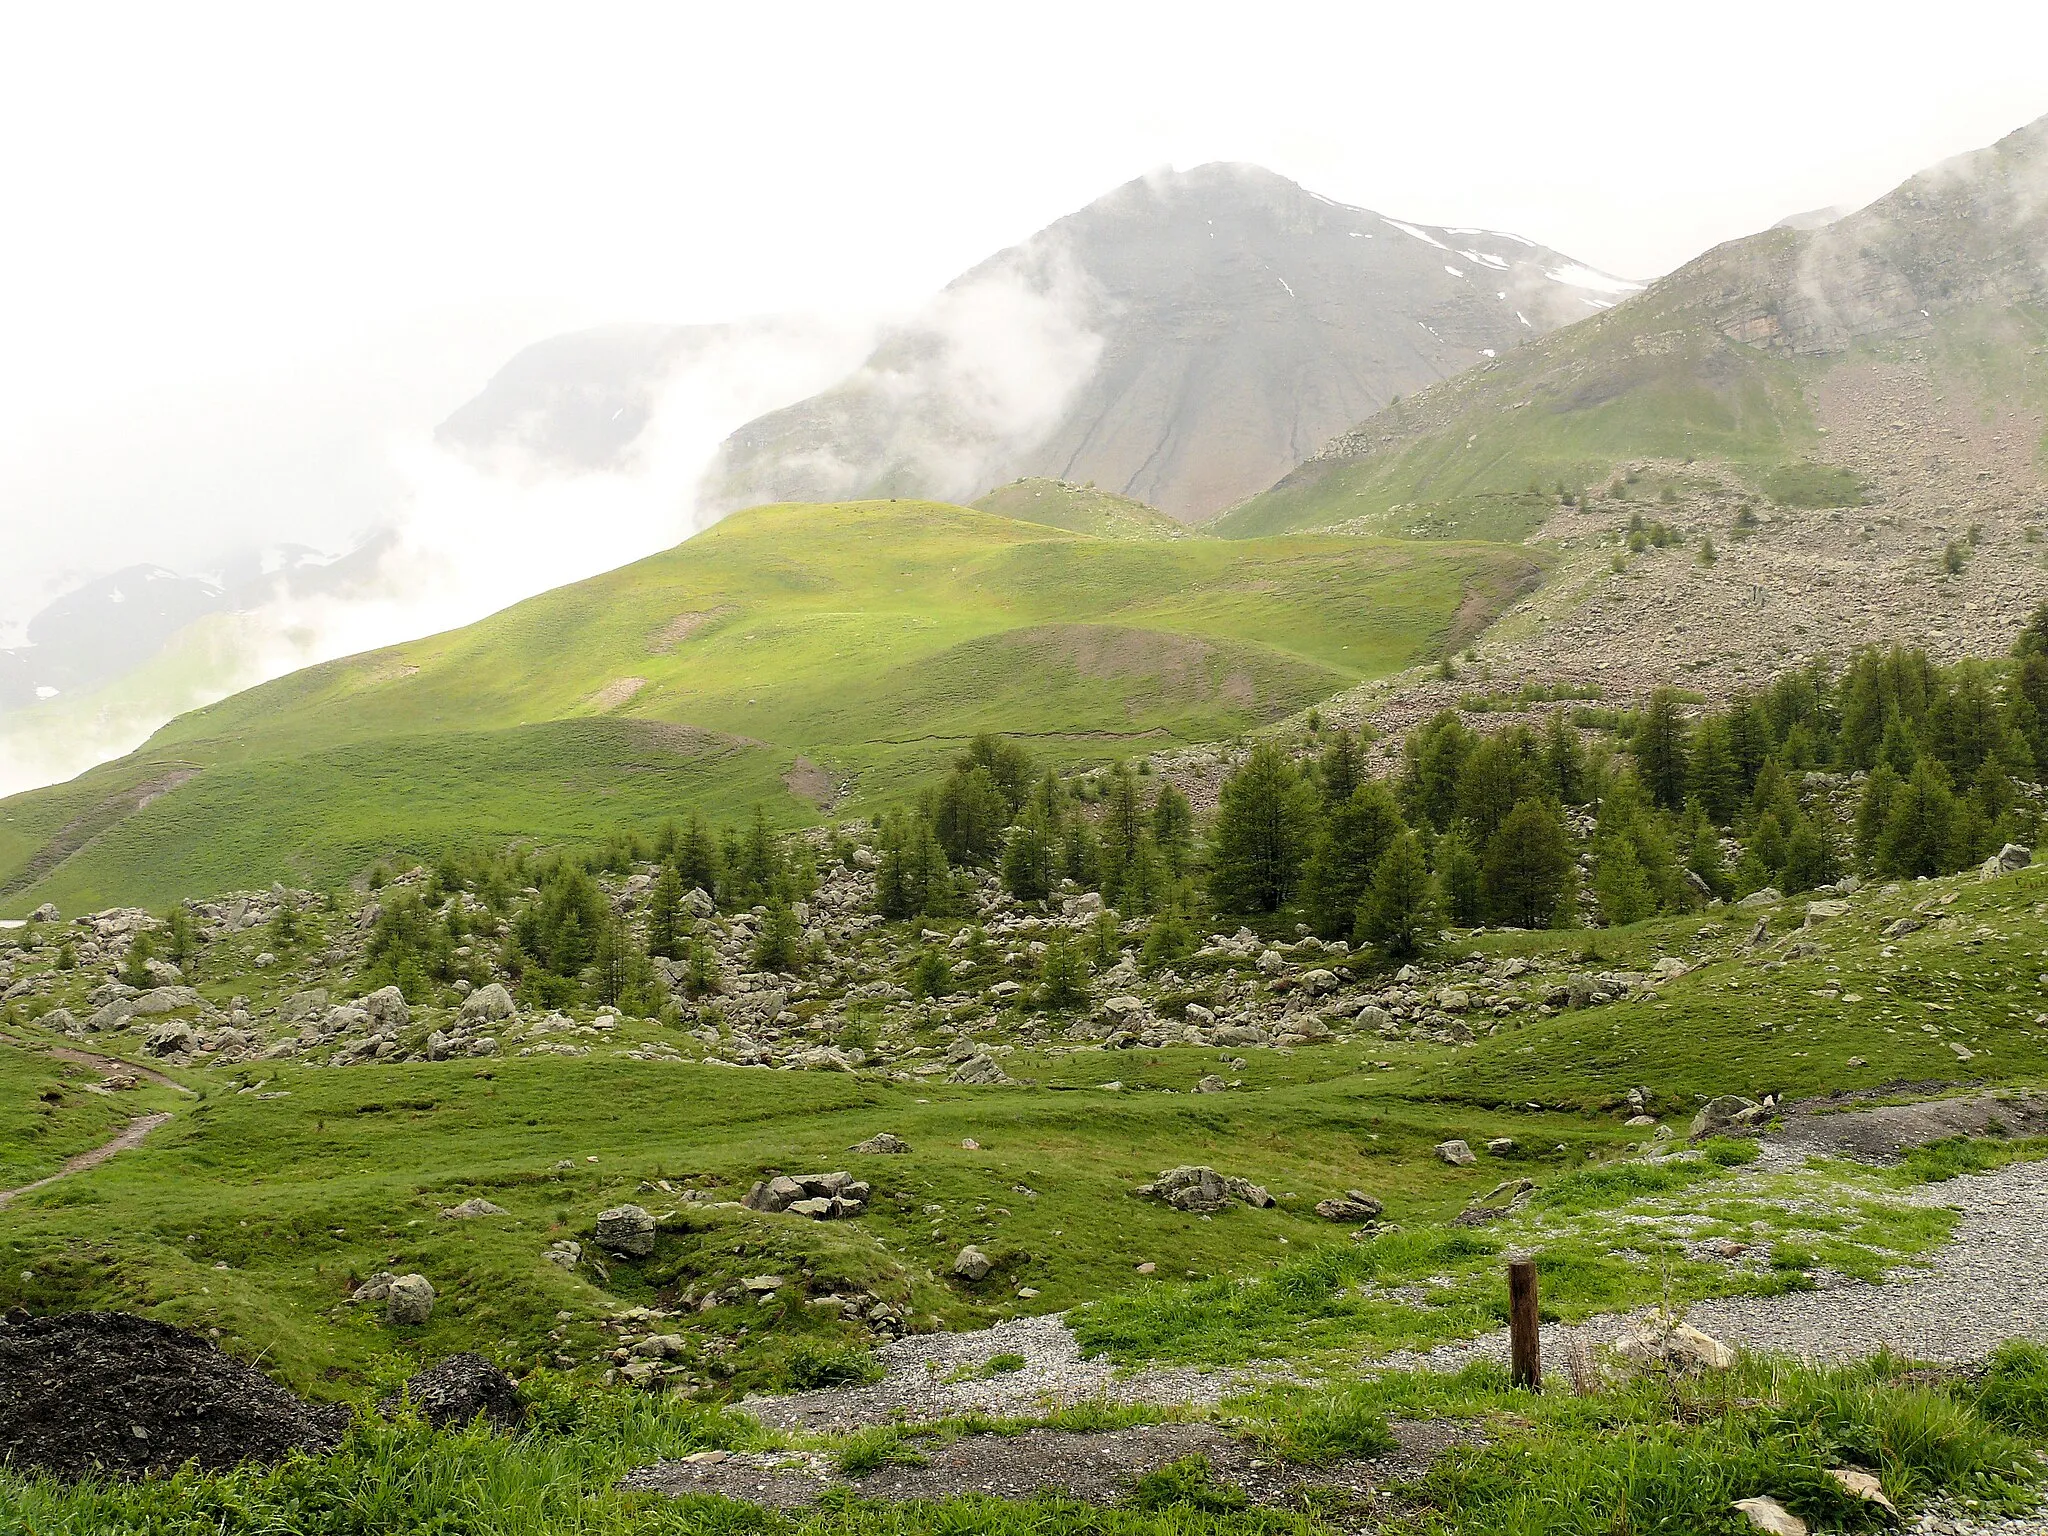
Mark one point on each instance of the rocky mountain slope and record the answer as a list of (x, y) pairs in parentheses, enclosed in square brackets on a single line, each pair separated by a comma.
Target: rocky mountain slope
[(1182, 340), (1736, 358)]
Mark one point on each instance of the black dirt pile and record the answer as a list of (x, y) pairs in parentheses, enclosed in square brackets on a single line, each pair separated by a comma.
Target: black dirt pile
[(457, 1390), (85, 1393)]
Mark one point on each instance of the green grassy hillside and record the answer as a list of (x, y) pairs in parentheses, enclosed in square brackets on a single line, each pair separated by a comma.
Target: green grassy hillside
[(1648, 379), (1080, 509), (782, 654)]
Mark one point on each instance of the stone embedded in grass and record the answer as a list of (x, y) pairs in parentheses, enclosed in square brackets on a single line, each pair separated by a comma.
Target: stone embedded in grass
[(972, 1264), (564, 1254), (627, 1230), (470, 1209), (1862, 1485), (884, 1141), (1455, 1152), (410, 1301), (1674, 1346), (1771, 1517)]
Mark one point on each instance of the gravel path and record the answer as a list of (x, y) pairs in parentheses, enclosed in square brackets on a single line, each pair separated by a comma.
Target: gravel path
[(1096, 1468), (939, 1375), (1988, 1285)]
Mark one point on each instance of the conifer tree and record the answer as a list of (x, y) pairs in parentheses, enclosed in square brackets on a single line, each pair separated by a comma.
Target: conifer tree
[(665, 914), (1398, 906), (1173, 829), (1355, 838), (1264, 820), (1525, 866)]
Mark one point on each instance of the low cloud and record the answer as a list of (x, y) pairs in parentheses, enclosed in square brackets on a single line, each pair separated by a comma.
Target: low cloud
[(468, 538)]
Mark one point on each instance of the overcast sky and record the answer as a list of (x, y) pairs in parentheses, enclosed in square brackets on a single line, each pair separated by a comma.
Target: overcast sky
[(247, 230)]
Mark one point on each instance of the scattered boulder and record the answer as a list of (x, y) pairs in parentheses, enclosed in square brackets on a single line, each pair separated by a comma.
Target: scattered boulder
[(1729, 1112), (1818, 912), (409, 1301), (1504, 1199), (1456, 1153), (1211, 1083), (972, 1264), (458, 1390), (884, 1141), (107, 1394), (171, 1038), (820, 1196), (1763, 898), (980, 1070), (487, 1003), (1202, 1189), (1351, 1206), (627, 1230)]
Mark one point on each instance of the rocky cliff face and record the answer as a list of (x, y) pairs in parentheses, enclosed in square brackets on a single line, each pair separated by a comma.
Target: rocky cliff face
[(1183, 340)]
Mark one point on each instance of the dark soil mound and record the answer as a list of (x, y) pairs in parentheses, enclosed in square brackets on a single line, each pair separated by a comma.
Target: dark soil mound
[(458, 1389), (103, 1392)]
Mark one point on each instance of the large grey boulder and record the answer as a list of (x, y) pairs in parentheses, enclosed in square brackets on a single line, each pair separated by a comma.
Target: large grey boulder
[(627, 1230), (387, 1010), (1352, 1206), (409, 1301), (1455, 1152), (1729, 1112), (487, 1003), (972, 1264)]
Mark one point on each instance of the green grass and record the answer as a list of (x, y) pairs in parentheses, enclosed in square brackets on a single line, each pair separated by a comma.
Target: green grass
[(870, 639), (1080, 509)]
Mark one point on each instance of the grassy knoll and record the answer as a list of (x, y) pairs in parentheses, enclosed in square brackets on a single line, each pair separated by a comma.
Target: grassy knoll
[(1080, 509), (866, 639), (1851, 1010)]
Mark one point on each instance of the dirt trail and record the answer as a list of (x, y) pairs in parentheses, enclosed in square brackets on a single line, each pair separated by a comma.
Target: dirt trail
[(132, 1136), (106, 1066)]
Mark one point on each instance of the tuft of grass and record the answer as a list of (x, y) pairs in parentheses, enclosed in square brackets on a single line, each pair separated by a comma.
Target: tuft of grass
[(878, 1446), (1003, 1364), (1189, 1483), (1317, 1428)]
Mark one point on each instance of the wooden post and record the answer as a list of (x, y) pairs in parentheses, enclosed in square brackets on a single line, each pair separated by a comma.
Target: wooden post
[(1524, 1341)]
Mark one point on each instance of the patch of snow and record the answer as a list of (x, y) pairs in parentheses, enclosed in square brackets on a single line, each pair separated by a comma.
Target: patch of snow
[(117, 596), (1572, 275), (1487, 352), (1421, 234), (1596, 303), (45, 691), (1452, 270), (1283, 284), (1524, 319), (1359, 234), (1498, 263)]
